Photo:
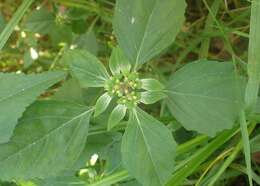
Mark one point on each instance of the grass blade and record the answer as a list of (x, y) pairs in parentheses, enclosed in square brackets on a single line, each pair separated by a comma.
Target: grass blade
[(231, 158), (252, 88), (253, 66), (6, 33), (204, 49), (189, 167), (246, 145)]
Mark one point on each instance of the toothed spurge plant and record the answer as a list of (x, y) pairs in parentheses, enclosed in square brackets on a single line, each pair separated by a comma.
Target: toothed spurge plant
[(46, 140)]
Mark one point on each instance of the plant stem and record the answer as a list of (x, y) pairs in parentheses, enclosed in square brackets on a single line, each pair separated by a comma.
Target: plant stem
[(114, 178)]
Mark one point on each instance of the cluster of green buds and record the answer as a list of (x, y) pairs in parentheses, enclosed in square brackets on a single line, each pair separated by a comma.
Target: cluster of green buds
[(126, 87)]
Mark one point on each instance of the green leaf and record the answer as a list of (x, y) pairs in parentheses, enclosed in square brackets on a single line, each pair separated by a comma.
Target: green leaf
[(48, 139), (87, 41), (151, 97), (144, 28), (17, 92), (152, 84), (67, 178), (148, 149), (70, 91), (102, 104), (116, 116), (253, 65), (61, 34), (85, 67), (6, 33), (205, 96), (40, 21), (118, 62)]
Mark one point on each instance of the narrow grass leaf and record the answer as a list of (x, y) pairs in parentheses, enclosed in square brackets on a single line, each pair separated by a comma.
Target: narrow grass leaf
[(6, 33)]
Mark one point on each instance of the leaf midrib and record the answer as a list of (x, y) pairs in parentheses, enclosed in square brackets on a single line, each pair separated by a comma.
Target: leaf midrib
[(146, 144), (144, 36)]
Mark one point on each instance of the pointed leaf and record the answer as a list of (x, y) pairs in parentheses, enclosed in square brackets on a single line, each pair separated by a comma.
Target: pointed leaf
[(102, 104), (205, 96), (49, 138), (116, 116), (151, 97), (148, 149), (86, 68), (118, 62), (152, 84), (144, 28), (17, 92)]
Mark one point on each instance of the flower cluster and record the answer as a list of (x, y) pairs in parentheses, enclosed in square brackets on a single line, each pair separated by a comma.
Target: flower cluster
[(126, 87)]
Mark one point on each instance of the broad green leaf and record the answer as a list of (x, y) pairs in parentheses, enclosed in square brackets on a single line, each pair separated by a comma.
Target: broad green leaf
[(87, 41), (113, 159), (152, 84), (144, 28), (118, 62), (148, 149), (85, 67), (17, 92), (150, 97), (61, 34), (48, 139), (40, 21), (116, 116), (205, 96), (70, 91), (102, 104)]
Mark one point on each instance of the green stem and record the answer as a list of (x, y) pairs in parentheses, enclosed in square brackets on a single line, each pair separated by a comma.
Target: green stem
[(112, 179), (6, 33)]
